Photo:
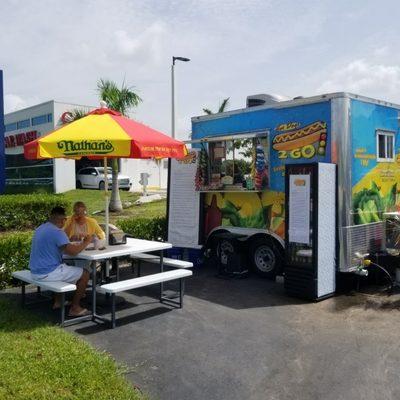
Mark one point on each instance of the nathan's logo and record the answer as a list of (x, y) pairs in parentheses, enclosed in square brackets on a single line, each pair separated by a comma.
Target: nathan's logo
[(73, 148)]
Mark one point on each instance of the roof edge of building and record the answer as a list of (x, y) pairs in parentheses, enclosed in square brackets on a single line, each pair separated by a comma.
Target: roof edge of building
[(28, 108), (48, 102)]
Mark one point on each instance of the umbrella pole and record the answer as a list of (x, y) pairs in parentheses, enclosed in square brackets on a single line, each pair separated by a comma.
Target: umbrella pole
[(106, 200)]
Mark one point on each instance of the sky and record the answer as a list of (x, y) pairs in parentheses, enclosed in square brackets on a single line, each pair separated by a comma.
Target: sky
[(59, 50)]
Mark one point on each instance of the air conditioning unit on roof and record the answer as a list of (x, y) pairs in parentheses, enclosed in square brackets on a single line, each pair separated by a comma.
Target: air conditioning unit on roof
[(264, 99)]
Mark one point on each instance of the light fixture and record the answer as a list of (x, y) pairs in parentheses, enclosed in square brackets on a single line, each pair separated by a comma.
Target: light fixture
[(184, 59)]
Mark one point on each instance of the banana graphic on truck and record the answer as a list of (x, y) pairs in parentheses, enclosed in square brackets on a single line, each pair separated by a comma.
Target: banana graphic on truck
[(300, 142)]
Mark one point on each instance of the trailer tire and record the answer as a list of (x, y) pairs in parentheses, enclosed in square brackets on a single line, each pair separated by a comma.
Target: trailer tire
[(265, 258), (210, 248)]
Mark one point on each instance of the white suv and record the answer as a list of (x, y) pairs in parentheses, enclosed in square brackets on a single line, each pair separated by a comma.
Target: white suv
[(93, 178)]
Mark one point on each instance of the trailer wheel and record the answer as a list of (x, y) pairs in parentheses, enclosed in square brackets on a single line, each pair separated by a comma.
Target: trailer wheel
[(224, 247), (265, 258), (210, 248)]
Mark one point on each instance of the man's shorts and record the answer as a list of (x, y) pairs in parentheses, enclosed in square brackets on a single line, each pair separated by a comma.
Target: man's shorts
[(64, 273)]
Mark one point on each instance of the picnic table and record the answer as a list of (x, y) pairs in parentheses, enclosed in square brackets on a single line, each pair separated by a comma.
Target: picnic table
[(132, 246)]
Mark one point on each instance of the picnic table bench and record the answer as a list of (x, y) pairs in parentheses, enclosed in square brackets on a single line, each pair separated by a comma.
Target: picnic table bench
[(154, 259), (25, 277), (147, 280)]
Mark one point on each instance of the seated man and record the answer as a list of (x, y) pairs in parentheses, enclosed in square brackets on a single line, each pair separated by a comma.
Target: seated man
[(48, 244)]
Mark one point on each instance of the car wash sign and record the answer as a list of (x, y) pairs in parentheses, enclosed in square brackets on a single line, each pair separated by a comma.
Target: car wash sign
[(19, 139)]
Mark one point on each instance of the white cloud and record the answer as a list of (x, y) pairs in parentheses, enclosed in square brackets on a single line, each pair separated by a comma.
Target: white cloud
[(147, 44), (363, 77), (382, 51), (60, 49), (13, 102)]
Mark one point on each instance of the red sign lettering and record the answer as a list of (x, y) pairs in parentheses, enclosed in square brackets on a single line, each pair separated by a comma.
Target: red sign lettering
[(20, 139)]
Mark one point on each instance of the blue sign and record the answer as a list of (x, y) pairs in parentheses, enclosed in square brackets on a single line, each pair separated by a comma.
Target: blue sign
[(2, 155)]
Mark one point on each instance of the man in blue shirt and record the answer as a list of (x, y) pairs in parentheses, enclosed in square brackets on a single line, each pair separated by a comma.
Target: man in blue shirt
[(48, 245)]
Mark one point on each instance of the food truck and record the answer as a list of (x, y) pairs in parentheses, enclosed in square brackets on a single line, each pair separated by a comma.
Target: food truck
[(303, 183)]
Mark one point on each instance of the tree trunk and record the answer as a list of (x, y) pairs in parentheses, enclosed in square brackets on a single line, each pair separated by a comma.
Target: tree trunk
[(115, 202)]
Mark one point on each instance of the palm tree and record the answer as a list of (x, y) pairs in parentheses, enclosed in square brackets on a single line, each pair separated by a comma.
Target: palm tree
[(78, 113), (74, 115), (221, 108), (120, 99)]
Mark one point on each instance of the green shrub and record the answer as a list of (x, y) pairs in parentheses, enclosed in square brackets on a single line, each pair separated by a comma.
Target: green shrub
[(27, 211), (15, 189), (145, 228), (14, 254)]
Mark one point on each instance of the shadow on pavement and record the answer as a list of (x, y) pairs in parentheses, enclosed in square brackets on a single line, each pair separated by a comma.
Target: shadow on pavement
[(122, 320), (238, 293), (246, 293)]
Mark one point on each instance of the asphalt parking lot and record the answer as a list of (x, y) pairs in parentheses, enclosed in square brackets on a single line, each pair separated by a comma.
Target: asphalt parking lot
[(245, 339)]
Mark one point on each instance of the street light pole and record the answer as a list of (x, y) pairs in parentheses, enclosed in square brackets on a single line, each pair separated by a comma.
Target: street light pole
[(173, 92)]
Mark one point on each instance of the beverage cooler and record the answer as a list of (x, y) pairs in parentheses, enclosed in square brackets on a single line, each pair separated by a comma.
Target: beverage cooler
[(310, 239)]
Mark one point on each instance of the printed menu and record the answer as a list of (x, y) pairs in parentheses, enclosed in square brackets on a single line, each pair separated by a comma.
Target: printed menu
[(184, 202), (299, 209)]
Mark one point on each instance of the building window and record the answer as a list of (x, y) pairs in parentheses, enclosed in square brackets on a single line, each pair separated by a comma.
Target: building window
[(41, 119), (385, 146), (11, 127), (49, 117), (23, 172), (26, 123)]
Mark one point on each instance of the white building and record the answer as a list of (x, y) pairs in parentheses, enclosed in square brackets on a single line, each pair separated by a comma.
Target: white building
[(58, 175)]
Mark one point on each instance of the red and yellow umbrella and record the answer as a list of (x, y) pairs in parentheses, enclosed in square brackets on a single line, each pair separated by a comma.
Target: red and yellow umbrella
[(104, 133)]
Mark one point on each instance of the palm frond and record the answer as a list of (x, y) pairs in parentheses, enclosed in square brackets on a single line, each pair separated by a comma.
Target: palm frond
[(119, 99), (223, 105), (78, 113), (221, 108)]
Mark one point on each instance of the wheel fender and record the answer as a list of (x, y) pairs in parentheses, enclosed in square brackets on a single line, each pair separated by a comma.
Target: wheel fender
[(251, 233)]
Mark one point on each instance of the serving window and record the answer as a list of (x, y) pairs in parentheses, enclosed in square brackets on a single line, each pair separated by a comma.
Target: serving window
[(234, 163)]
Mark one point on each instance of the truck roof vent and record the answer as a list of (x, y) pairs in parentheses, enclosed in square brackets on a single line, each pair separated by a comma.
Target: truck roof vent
[(264, 99)]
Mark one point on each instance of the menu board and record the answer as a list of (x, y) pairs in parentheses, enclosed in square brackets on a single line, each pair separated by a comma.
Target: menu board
[(299, 209), (184, 202)]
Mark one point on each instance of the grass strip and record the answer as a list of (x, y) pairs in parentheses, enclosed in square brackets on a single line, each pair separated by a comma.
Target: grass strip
[(94, 200), (41, 361)]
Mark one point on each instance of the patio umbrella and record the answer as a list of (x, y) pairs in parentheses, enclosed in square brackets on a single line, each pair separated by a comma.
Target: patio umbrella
[(104, 133)]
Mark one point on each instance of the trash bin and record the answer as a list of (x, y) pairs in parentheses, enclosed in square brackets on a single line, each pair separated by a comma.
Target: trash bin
[(175, 252)]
